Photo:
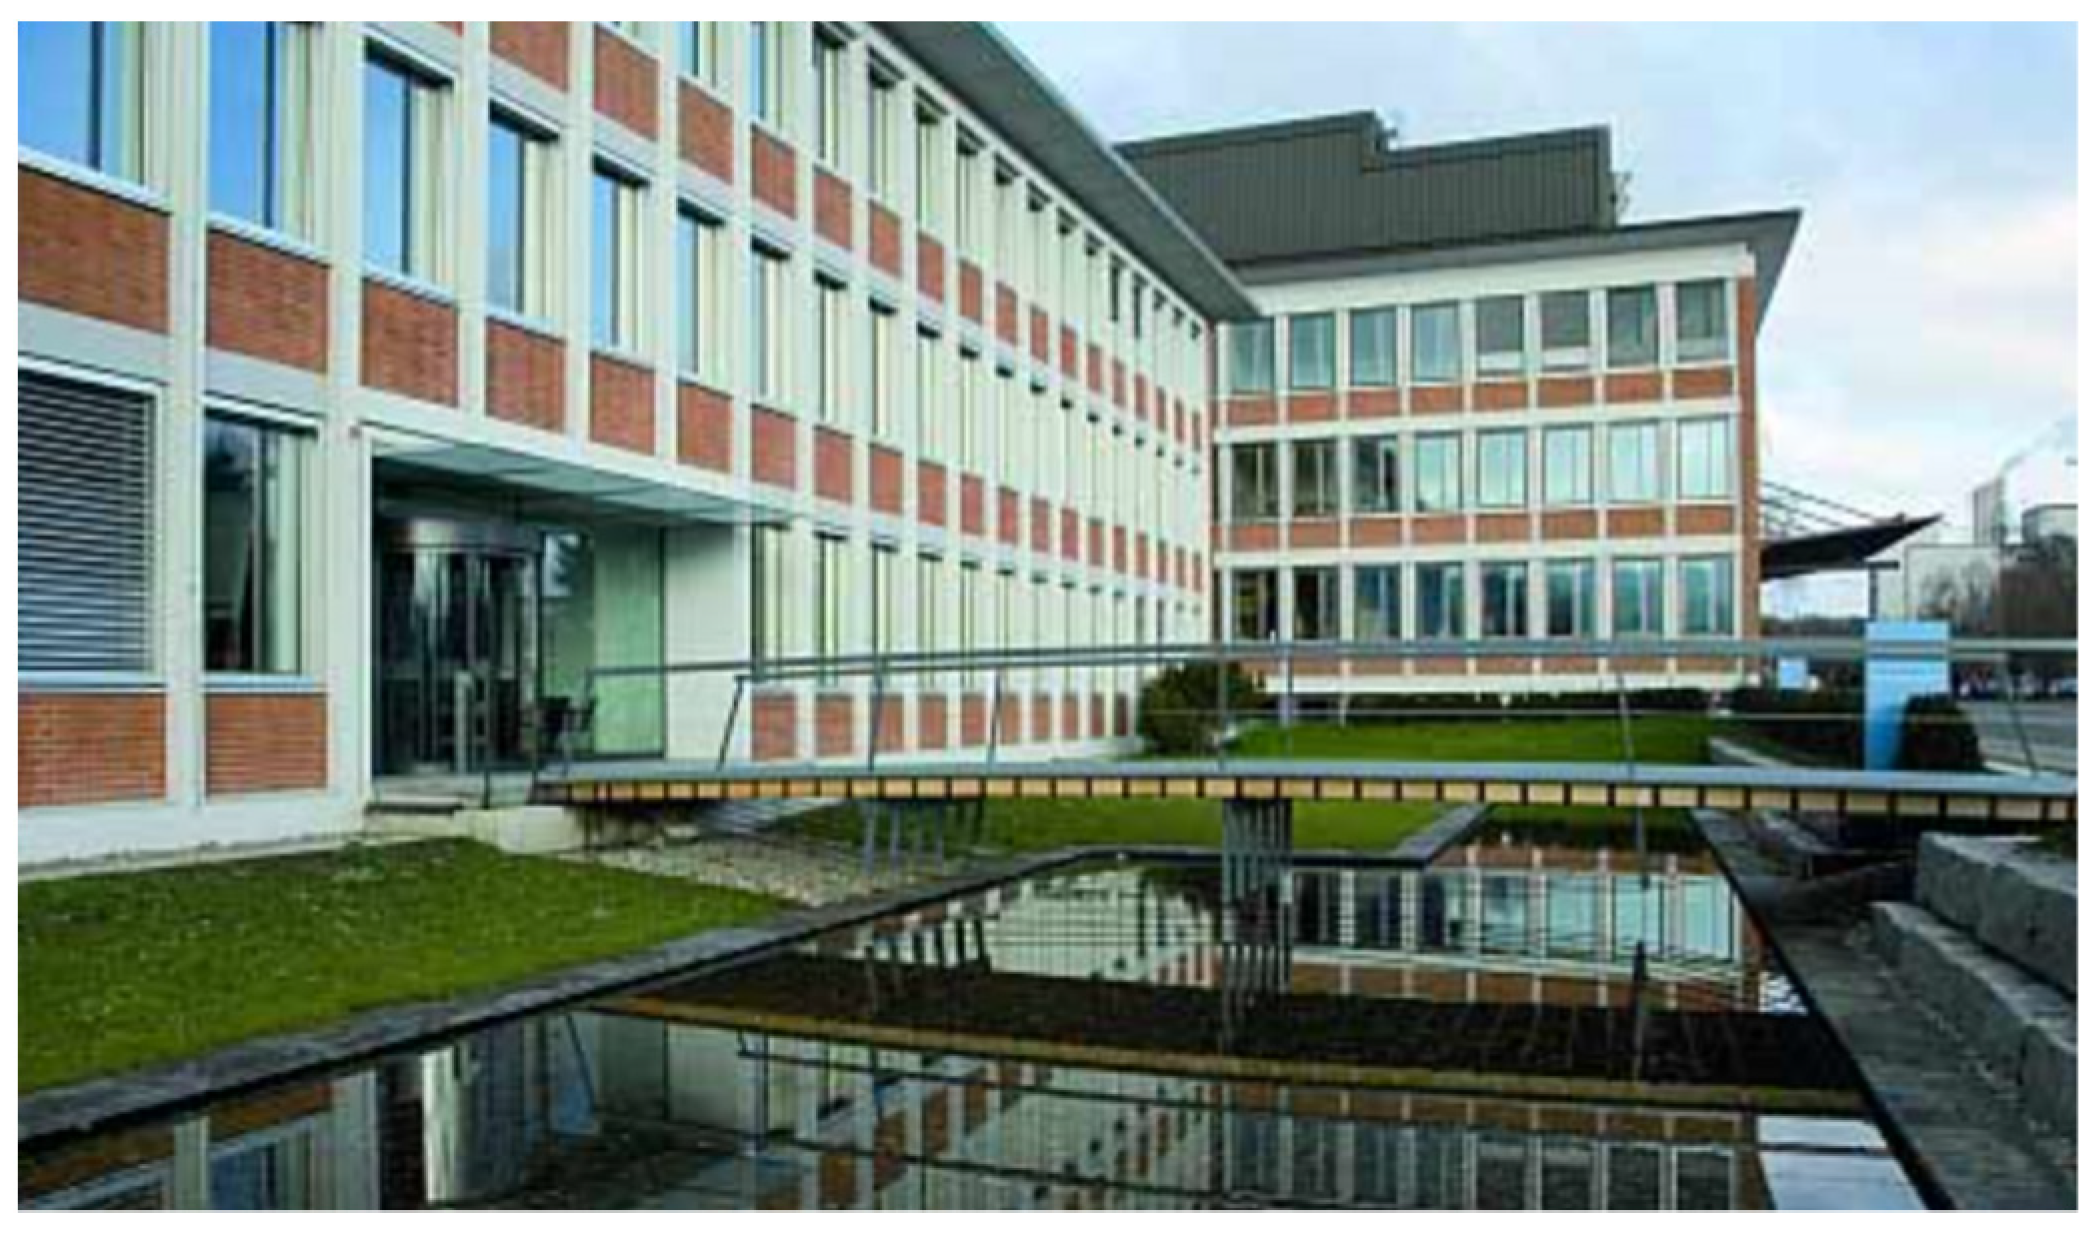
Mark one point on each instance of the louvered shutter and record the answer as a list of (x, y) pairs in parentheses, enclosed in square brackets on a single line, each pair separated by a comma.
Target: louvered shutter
[(85, 506)]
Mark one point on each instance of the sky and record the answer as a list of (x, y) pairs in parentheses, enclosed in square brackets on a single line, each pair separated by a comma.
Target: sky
[(1924, 328)]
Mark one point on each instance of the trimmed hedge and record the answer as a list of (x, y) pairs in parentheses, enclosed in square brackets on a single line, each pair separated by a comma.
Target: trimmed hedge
[(1177, 714), (1397, 707), (1938, 736), (1824, 725)]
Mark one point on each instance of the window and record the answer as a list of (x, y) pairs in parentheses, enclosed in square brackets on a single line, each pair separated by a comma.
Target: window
[(880, 137), (1502, 469), (263, 131), (767, 73), (886, 600), (701, 296), (1567, 466), (831, 324), (769, 332), (1375, 488), (970, 616), (1633, 463), (1316, 605), (967, 220), (880, 371), (699, 51), (829, 101), (404, 165), (1316, 478), (1251, 358), (1705, 460), (254, 494), (929, 384), (1505, 587), (931, 598), (81, 93), (1639, 599), (1374, 347), (1376, 596), (1254, 484), (968, 421), (520, 232), (830, 591), (1702, 327), (1441, 612), (1502, 336), (931, 179), (1254, 605), (1436, 480), (616, 225), (1705, 597), (1311, 360), (1569, 599), (85, 458), (1633, 327), (1567, 331), (770, 565), (1436, 344)]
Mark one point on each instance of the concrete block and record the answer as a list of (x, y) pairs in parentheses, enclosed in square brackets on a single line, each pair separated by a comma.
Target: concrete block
[(2031, 915), (2051, 1073), (1990, 1002), (1953, 874)]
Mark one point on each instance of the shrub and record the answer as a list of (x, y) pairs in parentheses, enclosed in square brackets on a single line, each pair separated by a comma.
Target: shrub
[(1938, 736), (1397, 708), (1178, 713), (1824, 725)]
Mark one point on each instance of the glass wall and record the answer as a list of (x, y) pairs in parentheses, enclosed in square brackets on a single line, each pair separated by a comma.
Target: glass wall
[(603, 608)]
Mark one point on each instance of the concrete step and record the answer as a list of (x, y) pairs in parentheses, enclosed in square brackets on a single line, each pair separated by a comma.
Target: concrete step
[(2018, 899), (2021, 1028)]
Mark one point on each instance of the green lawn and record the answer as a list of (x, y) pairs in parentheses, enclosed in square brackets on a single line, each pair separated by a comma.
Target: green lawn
[(1660, 739), (123, 970)]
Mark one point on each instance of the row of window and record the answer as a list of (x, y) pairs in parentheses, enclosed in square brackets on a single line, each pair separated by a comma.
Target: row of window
[(1506, 332), (1514, 599), (1503, 464)]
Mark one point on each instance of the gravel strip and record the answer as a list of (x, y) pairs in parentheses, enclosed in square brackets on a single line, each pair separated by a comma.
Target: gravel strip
[(804, 871)]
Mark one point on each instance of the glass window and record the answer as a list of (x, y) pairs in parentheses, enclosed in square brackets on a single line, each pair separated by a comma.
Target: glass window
[(967, 222), (1374, 347), (1502, 336), (403, 170), (767, 72), (520, 239), (830, 594), (1705, 597), (1502, 469), (1436, 480), (1316, 605), (1316, 478), (880, 371), (1705, 460), (930, 599), (80, 93), (1436, 344), (617, 220), (698, 50), (1251, 358), (830, 351), (1254, 605), (701, 298), (1633, 463), (1375, 487), (1311, 358), (931, 180), (886, 599), (1702, 325), (1567, 466), (262, 132), (829, 102), (1376, 596), (254, 494), (880, 138), (768, 328), (1570, 599), (1441, 612), (1254, 483), (1639, 599), (1505, 585), (1633, 327), (1567, 331), (929, 386), (771, 570)]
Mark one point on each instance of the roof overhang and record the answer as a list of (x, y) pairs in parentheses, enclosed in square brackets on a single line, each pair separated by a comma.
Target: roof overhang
[(1002, 87), (554, 490), (1843, 551)]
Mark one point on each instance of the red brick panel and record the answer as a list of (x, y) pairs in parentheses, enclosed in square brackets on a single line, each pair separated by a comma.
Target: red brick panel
[(1072, 717), (1704, 520), (1123, 714), (265, 742), (835, 721), (84, 749), (1253, 537), (1636, 523), (931, 494), (1501, 396), (1141, 556), (621, 404), (705, 428), (1749, 461), (885, 477), (1072, 548), (1120, 550), (526, 377), (1634, 387), (537, 47), (774, 727), (974, 720), (410, 344), (1039, 336), (706, 133), (1007, 315), (82, 251), (1142, 397), (1502, 528), (893, 736), (266, 303), (625, 83), (1043, 725), (1094, 370), (1702, 382), (884, 240), (1120, 383), (1097, 541), (1312, 408), (1007, 516), (931, 722), (832, 209), (1373, 404), (833, 465), (971, 291), (1043, 527), (1314, 533), (1376, 532), (1067, 354), (1439, 529), (1436, 399), (1098, 715), (1570, 524), (1252, 412), (931, 269), (1564, 392), (774, 453), (773, 173), (971, 505)]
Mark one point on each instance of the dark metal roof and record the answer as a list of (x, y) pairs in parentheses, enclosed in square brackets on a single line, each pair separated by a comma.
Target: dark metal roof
[(987, 73), (1843, 550), (1338, 184)]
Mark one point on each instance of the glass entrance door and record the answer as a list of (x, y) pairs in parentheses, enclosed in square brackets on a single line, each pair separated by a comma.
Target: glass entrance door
[(458, 648)]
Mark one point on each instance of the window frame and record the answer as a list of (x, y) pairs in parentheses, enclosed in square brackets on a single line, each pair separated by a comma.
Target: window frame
[(1264, 485), (1496, 491), (1713, 351), (1504, 586), (1645, 351), (1656, 469), (1315, 372), (1378, 323), (1494, 363), (1566, 357), (1688, 483), (1436, 375), (1651, 596), (1447, 476), (1447, 575), (1583, 598), (625, 296), (1321, 455), (1554, 495), (1249, 341), (288, 165), (426, 143), (1378, 459), (1720, 619)]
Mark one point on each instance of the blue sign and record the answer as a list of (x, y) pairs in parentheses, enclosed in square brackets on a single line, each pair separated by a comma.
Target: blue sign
[(1907, 660), (1792, 674)]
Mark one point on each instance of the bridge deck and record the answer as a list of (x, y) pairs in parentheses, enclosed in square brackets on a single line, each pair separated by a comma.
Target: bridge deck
[(2033, 798)]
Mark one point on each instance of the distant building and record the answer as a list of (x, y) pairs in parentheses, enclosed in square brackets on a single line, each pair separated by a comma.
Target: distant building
[(2042, 522)]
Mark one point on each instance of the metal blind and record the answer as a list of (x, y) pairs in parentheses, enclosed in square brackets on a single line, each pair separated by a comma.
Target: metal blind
[(85, 564)]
